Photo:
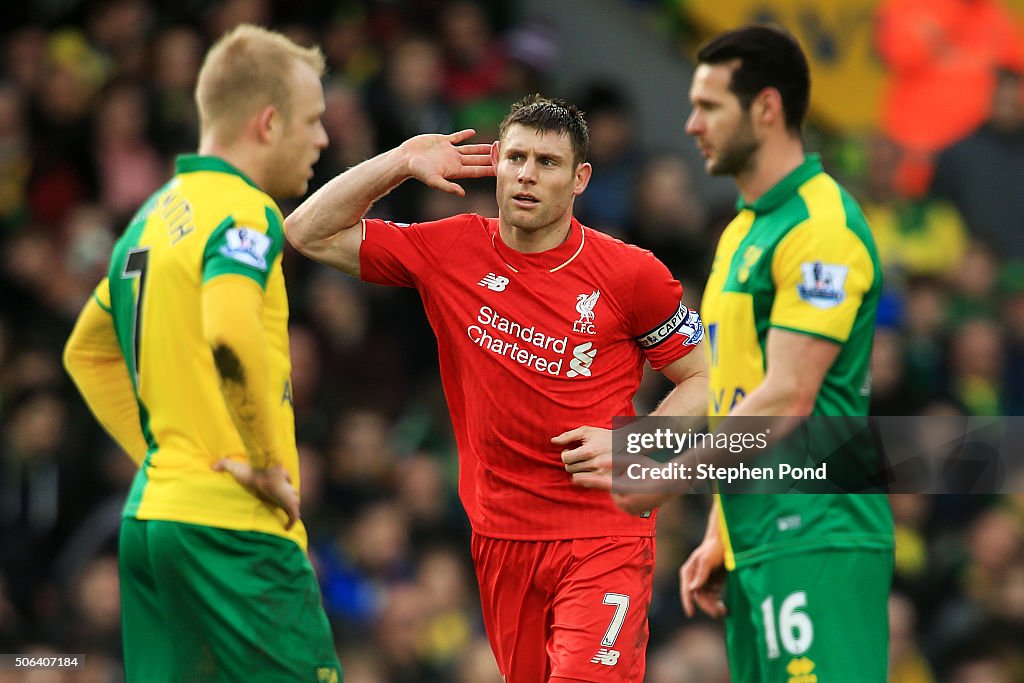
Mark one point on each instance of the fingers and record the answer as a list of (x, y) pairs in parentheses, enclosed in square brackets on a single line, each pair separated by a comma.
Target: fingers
[(593, 480), (292, 510), (438, 182), (276, 487), (476, 155), (697, 591), (692, 578), (272, 485), (685, 594), (241, 471), (476, 171), (635, 504), (461, 136), (572, 456), (710, 602), (569, 436)]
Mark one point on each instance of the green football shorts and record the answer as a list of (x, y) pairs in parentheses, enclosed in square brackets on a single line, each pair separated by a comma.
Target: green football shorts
[(202, 604), (817, 617)]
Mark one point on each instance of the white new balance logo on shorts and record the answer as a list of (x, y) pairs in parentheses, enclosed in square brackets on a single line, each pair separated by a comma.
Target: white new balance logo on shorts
[(606, 656), (494, 282)]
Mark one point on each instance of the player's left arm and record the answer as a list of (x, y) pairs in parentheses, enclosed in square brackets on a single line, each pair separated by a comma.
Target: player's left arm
[(689, 397), (796, 367), (669, 334), (822, 273), (233, 327), (687, 402), (797, 364), (93, 359)]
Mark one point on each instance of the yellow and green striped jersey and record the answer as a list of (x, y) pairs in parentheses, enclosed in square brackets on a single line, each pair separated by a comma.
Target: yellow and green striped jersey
[(209, 220), (800, 258)]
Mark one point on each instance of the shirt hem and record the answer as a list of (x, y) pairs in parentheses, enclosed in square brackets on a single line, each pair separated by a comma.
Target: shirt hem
[(562, 535), (232, 524), (874, 544)]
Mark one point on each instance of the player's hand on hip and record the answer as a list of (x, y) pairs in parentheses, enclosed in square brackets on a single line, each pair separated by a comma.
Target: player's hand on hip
[(702, 580), (435, 159), (272, 485)]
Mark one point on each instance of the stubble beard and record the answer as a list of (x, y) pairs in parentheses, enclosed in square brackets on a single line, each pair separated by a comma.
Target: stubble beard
[(738, 153)]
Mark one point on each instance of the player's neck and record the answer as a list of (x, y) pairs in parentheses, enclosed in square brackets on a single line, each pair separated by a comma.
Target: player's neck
[(247, 160), (777, 158), (534, 241)]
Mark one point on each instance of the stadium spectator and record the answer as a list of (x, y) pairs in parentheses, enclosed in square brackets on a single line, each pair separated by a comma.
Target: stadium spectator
[(128, 168), (616, 156), (981, 174), (915, 235), (474, 62), (933, 48), (670, 218), (906, 662), (178, 53)]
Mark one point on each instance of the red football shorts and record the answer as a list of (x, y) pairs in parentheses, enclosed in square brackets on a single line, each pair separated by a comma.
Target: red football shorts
[(572, 610)]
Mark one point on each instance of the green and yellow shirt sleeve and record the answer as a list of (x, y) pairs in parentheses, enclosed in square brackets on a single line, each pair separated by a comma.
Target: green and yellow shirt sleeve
[(246, 245), (821, 271), (93, 359), (236, 256)]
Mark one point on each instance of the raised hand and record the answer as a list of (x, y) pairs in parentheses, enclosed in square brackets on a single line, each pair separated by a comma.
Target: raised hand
[(435, 159)]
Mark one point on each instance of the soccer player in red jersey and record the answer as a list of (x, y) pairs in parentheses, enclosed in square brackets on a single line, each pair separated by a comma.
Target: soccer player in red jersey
[(542, 325)]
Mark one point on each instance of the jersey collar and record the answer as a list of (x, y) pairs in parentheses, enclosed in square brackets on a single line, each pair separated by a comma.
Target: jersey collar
[(551, 260), (190, 163), (785, 188)]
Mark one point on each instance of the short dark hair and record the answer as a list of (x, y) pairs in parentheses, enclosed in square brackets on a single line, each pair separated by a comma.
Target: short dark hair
[(770, 57), (550, 115)]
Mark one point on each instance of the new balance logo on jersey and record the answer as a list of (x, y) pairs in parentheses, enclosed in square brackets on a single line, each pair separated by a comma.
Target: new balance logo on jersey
[(606, 656), (582, 357), (585, 307), (496, 283)]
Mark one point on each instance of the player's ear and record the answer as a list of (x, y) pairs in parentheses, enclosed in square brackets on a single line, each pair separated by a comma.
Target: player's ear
[(495, 149), (583, 172), (767, 107), (268, 123)]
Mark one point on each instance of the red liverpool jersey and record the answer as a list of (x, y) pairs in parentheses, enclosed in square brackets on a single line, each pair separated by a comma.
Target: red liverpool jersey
[(532, 345)]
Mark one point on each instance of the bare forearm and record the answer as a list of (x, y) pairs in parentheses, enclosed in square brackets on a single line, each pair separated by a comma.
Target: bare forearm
[(687, 402), (776, 399), (342, 202), (713, 528), (324, 227)]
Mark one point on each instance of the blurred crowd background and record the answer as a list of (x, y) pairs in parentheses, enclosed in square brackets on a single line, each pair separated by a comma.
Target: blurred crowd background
[(96, 100)]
